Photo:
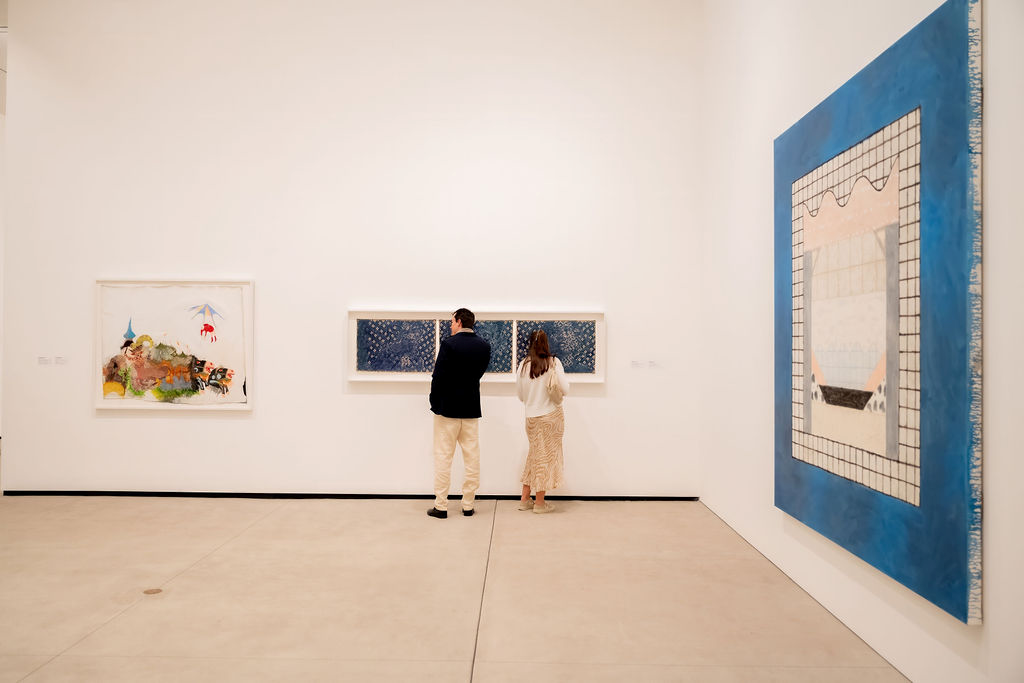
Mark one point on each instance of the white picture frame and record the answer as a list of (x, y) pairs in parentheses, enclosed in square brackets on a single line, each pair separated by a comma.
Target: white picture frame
[(113, 298), (355, 374)]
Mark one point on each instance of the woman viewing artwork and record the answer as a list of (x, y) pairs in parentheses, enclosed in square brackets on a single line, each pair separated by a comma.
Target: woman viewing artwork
[(541, 384)]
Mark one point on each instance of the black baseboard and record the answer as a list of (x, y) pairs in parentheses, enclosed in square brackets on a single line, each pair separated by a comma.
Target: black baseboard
[(358, 496)]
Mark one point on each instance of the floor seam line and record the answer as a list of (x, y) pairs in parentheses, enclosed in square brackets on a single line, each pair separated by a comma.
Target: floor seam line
[(47, 662), (138, 600), (483, 592), (211, 552), (683, 665)]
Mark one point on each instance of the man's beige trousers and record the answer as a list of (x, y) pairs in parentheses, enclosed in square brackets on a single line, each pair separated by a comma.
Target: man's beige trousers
[(447, 431)]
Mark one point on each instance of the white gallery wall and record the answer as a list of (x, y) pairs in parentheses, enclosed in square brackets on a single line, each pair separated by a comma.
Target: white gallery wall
[(352, 155), (3, 173), (770, 64), (579, 154)]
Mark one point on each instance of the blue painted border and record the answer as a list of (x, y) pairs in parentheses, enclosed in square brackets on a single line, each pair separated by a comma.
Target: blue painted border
[(933, 549)]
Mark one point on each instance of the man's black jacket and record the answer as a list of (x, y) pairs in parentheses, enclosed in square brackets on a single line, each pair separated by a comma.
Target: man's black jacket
[(455, 387)]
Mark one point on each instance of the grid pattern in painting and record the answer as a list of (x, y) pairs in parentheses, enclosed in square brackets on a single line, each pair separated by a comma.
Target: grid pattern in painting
[(497, 333), (387, 345), (574, 342), (890, 464)]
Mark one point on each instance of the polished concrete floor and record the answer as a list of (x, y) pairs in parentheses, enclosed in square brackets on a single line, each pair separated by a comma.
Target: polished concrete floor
[(374, 590)]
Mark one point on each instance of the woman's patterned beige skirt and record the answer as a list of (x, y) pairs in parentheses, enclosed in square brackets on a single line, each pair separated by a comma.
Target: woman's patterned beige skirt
[(543, 470)]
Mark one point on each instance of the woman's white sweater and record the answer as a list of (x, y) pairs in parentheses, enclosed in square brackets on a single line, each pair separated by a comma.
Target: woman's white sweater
[(534, 392)]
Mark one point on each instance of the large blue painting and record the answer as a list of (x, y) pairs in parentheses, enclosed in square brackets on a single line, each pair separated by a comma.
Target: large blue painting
[(878, 313), (395, 345), (574, 342)]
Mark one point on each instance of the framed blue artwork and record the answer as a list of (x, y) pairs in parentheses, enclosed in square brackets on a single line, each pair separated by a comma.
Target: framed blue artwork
[(571, 341), (401, 346), (395, 345), (878, 313)]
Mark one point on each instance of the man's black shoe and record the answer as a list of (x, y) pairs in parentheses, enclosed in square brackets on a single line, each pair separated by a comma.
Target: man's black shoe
[(440, 514), (468, 513)]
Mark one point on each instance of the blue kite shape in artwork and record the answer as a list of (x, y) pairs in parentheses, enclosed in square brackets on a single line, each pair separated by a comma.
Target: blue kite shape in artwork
[(130, 334), (205, 310)]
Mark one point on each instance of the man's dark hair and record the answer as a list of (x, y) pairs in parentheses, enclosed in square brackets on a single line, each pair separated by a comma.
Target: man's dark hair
[(465, 318)]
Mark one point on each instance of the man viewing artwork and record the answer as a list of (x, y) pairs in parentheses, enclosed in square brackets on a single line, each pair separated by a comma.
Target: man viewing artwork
[(455, 402)]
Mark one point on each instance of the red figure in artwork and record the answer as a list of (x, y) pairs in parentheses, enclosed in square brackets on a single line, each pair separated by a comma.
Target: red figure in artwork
[(208, 329)]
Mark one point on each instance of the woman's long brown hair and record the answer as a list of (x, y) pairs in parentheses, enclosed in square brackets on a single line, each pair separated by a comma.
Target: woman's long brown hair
[(539, 353)]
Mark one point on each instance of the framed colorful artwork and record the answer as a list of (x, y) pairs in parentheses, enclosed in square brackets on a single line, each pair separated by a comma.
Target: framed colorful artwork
[(174, 344)]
